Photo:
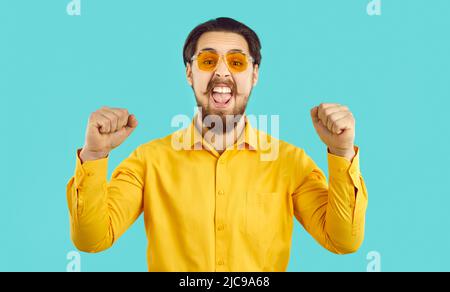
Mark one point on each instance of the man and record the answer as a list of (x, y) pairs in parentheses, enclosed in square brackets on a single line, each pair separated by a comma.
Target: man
[(214, 204)]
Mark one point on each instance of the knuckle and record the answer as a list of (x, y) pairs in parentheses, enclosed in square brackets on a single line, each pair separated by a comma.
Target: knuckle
[(340, 123), (116, 116)]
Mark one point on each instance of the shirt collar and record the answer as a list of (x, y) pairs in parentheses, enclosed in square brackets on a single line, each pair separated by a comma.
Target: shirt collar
[(247, 140)]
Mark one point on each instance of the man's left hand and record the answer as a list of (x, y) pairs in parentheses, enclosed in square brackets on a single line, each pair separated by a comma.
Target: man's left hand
[(335, 125)]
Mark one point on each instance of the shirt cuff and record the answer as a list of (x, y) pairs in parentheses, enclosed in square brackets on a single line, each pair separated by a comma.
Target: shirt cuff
[(342, 169), (91, 173)]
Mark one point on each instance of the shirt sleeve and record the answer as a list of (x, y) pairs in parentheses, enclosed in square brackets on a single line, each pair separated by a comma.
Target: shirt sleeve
[(101, 211), (334, 213)]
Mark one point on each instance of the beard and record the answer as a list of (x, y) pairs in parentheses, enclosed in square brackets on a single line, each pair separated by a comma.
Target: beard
[(228, 118)]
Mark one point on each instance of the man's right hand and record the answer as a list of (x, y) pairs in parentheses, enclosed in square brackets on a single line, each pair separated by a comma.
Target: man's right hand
[(107, 128)]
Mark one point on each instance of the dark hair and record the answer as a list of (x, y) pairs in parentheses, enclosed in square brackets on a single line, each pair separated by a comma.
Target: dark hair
[(223, 24)]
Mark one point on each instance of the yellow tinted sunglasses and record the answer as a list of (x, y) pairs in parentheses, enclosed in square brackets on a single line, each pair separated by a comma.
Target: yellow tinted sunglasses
[(237, 62)]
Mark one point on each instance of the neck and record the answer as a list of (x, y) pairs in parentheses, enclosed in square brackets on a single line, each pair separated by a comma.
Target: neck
[(221, 140)]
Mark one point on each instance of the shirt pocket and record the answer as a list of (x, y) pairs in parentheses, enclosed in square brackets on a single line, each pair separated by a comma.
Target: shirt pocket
[(263, 216)]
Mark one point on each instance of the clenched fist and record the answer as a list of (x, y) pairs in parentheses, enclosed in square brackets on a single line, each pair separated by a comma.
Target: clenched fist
[(107, 128), (335, 125)]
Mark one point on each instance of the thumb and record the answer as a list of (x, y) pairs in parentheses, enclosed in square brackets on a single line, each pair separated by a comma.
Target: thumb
[(132, 121), (131, 125), (318, 126), (118, 137), (315, 114)]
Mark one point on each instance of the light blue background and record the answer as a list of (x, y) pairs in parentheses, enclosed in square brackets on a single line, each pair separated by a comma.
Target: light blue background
[(392, 71)]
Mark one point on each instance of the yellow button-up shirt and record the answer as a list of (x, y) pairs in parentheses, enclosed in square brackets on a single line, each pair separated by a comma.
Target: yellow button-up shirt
[(209, 212)]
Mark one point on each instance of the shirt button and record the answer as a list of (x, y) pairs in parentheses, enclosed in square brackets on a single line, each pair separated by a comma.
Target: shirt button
[(221, 193), (90, 174), (79, 173), (221, 227), (220, 262), (222, 162)]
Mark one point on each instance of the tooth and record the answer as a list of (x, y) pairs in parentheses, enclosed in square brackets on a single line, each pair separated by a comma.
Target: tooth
[(222, 89)]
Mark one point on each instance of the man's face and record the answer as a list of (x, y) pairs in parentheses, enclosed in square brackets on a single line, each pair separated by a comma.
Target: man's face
[(212, 89)]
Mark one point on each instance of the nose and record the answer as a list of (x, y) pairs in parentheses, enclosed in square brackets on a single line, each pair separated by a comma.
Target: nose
[(222, 69)]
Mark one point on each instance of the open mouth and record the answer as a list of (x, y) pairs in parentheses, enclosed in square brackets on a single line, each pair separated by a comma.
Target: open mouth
[(221, 96)]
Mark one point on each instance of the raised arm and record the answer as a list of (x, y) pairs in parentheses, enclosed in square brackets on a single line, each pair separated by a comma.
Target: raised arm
[(101, 211)]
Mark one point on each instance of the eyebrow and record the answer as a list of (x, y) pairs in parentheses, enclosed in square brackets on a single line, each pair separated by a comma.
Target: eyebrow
[(214, 50)]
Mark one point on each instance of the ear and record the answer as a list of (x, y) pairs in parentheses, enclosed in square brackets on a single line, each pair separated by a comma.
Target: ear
[(189, 74), (255, 74)]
